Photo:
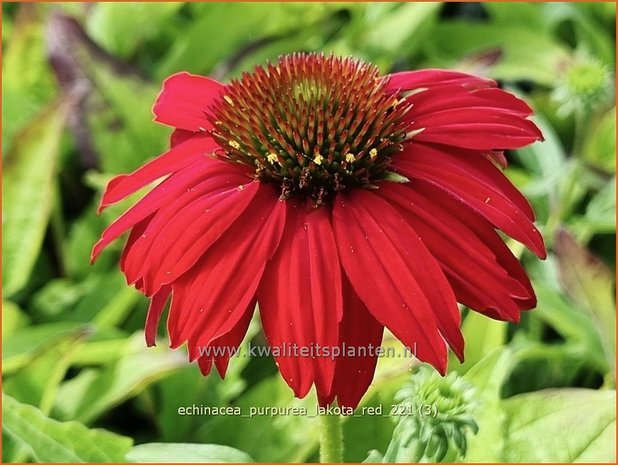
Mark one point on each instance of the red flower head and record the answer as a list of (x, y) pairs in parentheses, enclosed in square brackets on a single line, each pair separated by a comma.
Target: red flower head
[(342, 202)]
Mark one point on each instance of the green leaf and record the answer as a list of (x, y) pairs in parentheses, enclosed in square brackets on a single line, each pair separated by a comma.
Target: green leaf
[(482, 335), (186, 453), (12, 318), (51, 441), (24, 345), (28, 191), (37, 382), (600, 143), (400, 27), (114, 27), (91, 393), (524, 53), (27, 82), (374, 456), (589, 283), (572, 324), (488, 377), (600, 215), (561, 425), (230, 28)]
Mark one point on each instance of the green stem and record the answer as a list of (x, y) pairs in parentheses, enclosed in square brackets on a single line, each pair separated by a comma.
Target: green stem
[(331, 440)]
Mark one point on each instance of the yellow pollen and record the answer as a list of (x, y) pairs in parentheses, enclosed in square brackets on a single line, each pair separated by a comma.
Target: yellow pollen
[(373, 153), (350, 158), (272, 157), (318, 159), (228, 99), (234, 144)]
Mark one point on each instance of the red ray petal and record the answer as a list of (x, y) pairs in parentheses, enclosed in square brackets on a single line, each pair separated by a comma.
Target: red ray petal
[(361, 331), (184, 100), (163, 194), (190, 232), (396, 277), (301, 299), (157, 305), (456, 97), (468, 163), (199, 204), (435, 78), (222, 348), (478, 280), (171, 161), (489, 129), (211, 299), (135, 234), (483, 198)]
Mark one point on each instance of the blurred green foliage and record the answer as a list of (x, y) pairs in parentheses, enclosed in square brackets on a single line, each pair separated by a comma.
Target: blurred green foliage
[(78, 84)]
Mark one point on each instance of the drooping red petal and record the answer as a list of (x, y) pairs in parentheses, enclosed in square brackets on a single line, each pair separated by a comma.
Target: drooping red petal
[(149, 204), (136, 232), (300, 299), (485, 230), (489, 129), (157, 305), (184, 100), (471, 267), (173, 160), (163, 194), (483, 197), (223, 347), (457, 97), (396, 277), (361, 332), (434, 79), (181, 237), (468, 163), (211, 298), (200, 201)]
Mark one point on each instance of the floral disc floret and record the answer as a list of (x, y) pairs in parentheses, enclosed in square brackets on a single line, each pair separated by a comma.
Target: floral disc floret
[(311, 124)]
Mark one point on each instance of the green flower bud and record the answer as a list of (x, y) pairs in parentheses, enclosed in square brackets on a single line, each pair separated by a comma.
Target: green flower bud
[(437, 415), (584, 85)]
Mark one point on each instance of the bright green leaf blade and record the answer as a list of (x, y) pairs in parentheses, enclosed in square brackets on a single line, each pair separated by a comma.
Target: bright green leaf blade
[(27, 183), (561, 425), (186, 453), (53, 441)]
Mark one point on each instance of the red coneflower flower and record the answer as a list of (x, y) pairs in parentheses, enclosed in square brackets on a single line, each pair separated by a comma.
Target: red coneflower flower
[(341, 201)]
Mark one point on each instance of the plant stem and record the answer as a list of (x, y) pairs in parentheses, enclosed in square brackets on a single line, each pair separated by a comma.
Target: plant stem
[(331, 440)]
